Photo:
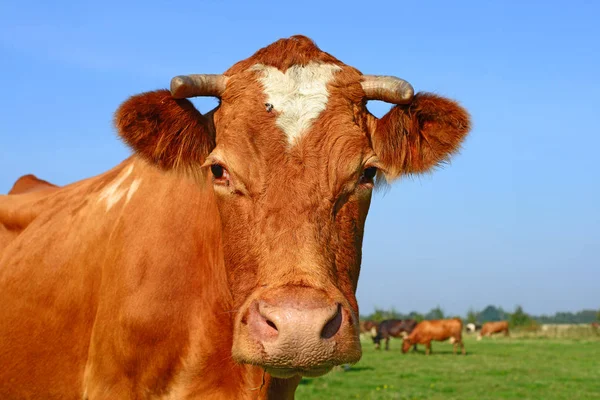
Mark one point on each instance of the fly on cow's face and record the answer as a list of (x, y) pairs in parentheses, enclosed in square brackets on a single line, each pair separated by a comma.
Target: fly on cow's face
[(269, 107)]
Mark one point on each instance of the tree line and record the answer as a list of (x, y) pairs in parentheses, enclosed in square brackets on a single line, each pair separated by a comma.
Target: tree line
[(492, 313)]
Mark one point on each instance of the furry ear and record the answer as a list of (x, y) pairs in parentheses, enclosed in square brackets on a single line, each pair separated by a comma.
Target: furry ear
[(169, 133), (416, 137)]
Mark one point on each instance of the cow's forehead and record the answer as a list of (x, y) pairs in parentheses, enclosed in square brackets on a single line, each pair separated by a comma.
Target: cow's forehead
[(298, 95), (311, 98)]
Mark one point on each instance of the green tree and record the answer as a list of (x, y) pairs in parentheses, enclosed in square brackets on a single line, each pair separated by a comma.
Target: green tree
[(380, 314), (435, 313), (580, 317), (521, 319), (491, 313), (416, 316), (472, 316), (377, 315), (393, 314)]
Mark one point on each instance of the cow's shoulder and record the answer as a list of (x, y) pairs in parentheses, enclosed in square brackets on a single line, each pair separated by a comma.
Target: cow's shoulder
[(35, 208)]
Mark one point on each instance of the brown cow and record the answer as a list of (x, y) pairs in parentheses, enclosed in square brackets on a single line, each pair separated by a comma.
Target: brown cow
[(221, 260), (595, 325), (490, 328), (439, 330), (30, 183)]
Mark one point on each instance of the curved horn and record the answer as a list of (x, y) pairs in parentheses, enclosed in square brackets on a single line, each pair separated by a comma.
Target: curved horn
[(387, 88), (184, 86)]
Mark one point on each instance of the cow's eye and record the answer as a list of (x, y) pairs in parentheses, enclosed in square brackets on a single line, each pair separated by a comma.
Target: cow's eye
[(217, 170), (368, 175), (220, 174)]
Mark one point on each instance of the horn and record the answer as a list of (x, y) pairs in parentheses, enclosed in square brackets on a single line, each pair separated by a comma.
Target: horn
[(387, 88), (184, 86)]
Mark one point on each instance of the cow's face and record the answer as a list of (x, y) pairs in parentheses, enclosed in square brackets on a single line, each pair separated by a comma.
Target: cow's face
[(376, 340), (291, 154), (293, 172), (406, 343)]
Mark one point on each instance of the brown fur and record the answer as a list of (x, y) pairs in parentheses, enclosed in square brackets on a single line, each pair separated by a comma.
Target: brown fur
[(284, 53), (490, 328), (427, 331), (414, 138), (168, 132), (151, 294), (30, 183)]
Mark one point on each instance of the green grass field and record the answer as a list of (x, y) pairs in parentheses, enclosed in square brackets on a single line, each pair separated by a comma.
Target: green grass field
[(497, 368)]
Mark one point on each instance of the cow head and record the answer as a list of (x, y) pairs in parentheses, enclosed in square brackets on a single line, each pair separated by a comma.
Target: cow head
[(377, 340), (406, 343), (292, 155)]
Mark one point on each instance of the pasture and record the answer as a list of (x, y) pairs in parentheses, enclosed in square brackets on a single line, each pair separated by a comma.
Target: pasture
[(497, 368)]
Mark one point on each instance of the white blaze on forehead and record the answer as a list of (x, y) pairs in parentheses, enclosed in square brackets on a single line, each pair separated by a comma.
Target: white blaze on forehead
[(299, 95)]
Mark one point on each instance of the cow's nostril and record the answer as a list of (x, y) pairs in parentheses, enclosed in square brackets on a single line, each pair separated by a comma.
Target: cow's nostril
[(272, 325), (333, 325)]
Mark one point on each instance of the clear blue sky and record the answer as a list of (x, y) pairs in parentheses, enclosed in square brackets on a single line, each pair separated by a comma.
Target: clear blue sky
[(514, 220)]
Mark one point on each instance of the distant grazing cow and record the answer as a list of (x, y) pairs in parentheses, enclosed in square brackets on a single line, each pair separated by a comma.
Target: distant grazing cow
[(368, 327), (595, 325), (491, 328), (438, 330), (221, 260), (393, 328), (30, 183), (471, 327)]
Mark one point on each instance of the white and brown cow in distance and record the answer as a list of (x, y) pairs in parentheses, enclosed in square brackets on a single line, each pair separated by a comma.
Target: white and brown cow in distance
[(221, 260), (472, 327)]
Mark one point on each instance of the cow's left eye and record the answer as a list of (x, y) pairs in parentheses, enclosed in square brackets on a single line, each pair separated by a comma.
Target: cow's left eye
[(220, 174), (368, 175)]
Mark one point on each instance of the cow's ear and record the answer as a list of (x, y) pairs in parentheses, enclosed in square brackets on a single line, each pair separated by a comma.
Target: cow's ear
[(414, 138), (169, 133)]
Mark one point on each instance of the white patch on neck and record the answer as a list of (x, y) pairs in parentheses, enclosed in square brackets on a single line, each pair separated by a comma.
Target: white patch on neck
[(112, 193), (299, 95), (132, 189)]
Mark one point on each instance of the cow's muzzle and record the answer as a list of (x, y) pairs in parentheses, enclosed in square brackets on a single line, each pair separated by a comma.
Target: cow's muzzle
[(296, 331)]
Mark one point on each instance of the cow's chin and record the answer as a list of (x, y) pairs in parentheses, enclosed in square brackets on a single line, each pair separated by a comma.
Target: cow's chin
[(282, 368)]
